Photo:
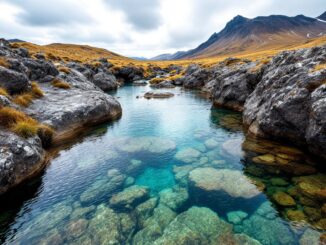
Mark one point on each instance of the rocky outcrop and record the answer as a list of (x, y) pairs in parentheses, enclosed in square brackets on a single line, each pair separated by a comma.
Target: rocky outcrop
[(196, 77), (289, 101), (68, 100), (128, 73)]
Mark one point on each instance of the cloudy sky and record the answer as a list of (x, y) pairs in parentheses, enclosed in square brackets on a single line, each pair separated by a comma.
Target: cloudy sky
[(135, 27)]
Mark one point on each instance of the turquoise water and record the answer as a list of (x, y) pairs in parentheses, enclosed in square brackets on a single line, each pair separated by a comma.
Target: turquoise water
[(170, 171)]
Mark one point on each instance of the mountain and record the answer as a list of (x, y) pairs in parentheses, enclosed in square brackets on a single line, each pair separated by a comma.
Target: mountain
[(138, 58), (322, 17), (15, 40), (242, 35), (174, 56)]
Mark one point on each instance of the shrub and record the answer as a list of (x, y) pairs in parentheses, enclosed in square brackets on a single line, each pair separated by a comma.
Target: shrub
[(10, 116), (36, 90), (64, 69), (4, 92), (24, 99), (45, 133), (60, 84), (26, 129)]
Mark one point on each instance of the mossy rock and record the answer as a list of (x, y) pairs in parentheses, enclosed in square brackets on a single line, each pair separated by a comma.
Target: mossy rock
[(296, 215), (279, 182), (323, 209), (267, 159), (293, 191), (283, 199), (313, 186), (321, 224), (306, 201), (313, 213)]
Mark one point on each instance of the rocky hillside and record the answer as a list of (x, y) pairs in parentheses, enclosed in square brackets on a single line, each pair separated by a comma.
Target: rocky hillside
[(44, 103), (282, 98), (244, 35)]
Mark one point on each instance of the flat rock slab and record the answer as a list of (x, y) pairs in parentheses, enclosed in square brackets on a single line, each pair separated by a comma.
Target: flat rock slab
[(158, 95)]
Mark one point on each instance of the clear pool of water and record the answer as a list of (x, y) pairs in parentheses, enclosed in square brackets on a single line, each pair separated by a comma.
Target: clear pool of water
[(170, 171)]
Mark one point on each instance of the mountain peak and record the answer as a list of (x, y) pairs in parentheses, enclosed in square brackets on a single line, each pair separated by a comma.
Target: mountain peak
[(322, 16)]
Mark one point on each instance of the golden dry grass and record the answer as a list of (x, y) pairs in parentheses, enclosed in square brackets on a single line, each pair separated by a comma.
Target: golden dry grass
[(26, 129), (157, 80), (24, 99), (64, 69), (4, 62), (45, 133), (36, 90), (319, 67), (60, 84), (4, 92), (10, 116)]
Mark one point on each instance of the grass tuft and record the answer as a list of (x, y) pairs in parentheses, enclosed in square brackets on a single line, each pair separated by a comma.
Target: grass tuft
[(4, 92), (60, 84), (4, 62), (36, 90), (24, 99), (10, 116), (26, 129), (64, 69), (319, 67)]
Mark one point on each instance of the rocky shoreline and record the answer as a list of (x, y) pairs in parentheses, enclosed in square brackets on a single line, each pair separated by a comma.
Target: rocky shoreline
[(71, 99), (281, 98)]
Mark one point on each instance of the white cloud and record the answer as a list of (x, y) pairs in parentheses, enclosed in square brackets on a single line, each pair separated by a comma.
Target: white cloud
[(135, 27)]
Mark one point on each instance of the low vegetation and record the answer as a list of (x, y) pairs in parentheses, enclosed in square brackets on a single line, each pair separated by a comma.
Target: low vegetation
[(64, 69), (25, 126), (157, 80), (319, 67), (4, 62), (36, 90), (60, 84), (4, 92), (24, 99)]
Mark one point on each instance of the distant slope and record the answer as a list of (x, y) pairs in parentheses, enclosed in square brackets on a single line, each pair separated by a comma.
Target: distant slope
[(72, 52), (174, 56), (242, 35), (322, 16)]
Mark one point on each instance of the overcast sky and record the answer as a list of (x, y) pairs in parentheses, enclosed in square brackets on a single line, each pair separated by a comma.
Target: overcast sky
[(135, 27)]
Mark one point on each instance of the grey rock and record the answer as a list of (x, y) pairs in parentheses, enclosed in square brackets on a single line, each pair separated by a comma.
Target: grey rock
[(288, 103), (38, 69), (105, 81), (19, 158), (13, 81)]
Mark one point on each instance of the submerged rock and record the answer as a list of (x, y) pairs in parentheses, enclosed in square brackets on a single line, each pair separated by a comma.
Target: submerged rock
[(236, 217), (234, 183), (158, 95), (129, 197), (283, 199), (194, 226), (103, 188), (174, 198), (187, 155), (146, 143)]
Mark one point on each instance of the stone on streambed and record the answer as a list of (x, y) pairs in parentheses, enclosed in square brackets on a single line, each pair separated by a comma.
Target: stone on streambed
[(103, 187), (211, 143), (233, 182), (194, 226), (174, 198), (145, 210), (187, 155), (233, 147), (236, 217), (154, 226), (75, 228), (158, 95), (312, 186), (310, 237), (129, 197), (283, 199), (106, 227), (140, 82), (151, 144)]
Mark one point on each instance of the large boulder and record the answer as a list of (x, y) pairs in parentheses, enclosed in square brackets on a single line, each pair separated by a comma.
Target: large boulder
[(13, 81), (105, 81), (288, 103), (19, 159)]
